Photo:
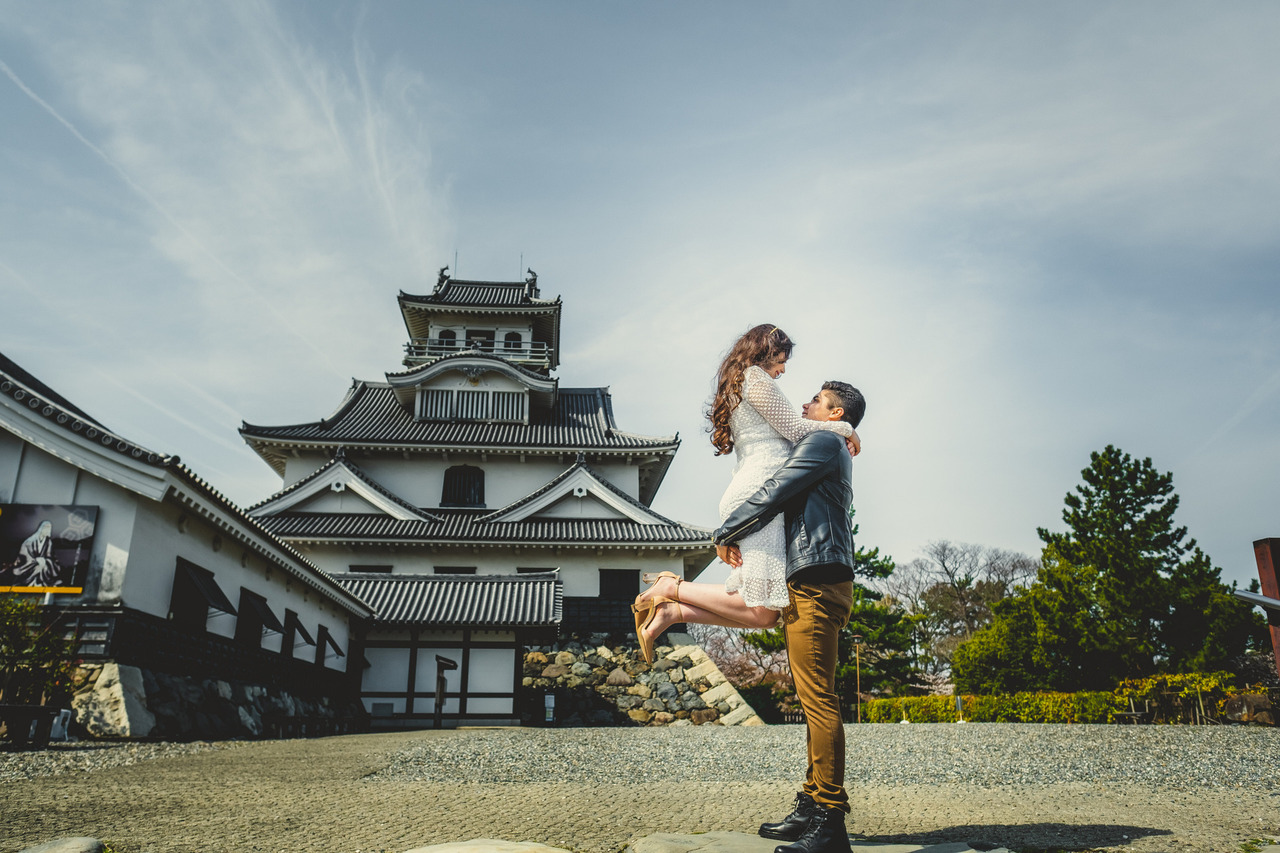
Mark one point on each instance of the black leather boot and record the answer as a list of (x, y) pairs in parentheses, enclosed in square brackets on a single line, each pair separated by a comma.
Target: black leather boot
[(793, 825), (824, 834)]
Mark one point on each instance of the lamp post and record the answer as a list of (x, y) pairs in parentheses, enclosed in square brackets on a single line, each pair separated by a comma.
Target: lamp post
[(857, 671)]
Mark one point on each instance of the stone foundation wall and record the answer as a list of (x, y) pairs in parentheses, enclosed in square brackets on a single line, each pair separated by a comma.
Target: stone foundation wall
[(117, 701), (602, 686)]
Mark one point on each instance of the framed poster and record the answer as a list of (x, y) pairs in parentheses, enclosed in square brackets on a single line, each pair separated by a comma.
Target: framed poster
[(45, 548)]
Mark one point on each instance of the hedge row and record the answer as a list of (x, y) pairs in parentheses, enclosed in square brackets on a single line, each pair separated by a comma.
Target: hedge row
[(1168, 697)]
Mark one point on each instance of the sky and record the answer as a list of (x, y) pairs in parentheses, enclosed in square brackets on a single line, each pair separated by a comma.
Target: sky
[(1025, 231)]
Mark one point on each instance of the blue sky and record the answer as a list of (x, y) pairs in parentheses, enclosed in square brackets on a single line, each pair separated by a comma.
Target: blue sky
[(1024, 230)]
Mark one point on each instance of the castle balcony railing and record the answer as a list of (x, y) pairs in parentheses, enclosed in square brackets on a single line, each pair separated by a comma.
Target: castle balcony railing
[(529, 354)]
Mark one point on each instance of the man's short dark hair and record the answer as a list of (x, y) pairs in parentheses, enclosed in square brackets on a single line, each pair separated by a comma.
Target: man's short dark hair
[(851, 400)]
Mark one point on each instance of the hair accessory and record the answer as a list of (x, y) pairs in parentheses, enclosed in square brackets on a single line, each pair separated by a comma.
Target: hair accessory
[(771, 331)]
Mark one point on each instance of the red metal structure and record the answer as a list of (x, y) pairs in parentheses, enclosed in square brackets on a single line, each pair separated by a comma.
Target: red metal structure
[(1267, 553)]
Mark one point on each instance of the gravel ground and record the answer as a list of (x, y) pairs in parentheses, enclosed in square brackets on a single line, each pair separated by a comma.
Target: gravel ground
[(1136, 789), (1174, 757), (82, 756)]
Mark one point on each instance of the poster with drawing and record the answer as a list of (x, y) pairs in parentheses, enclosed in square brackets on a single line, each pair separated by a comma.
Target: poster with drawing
[(45, 548)]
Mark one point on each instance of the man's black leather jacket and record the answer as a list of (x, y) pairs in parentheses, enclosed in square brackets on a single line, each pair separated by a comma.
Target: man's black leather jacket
[(814, 489)]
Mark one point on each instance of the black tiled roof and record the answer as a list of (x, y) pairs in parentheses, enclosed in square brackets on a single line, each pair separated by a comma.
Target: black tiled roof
[(466, 526), (581, 419), (476, 601), (480, 294)]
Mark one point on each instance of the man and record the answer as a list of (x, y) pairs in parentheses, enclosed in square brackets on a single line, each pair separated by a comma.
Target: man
[(814, 490)]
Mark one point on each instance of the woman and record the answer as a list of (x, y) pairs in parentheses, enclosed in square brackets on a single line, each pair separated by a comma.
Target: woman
[(749, 415)]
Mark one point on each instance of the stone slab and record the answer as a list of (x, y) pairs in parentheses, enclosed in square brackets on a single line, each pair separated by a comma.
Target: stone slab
[(488, 845), (741, 842), (68, 845)]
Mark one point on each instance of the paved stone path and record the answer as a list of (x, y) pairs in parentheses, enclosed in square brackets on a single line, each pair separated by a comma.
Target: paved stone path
[(321, 795)]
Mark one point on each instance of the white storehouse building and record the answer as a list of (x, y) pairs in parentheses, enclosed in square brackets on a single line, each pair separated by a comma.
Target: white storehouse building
[(202, 622), (474, 504)]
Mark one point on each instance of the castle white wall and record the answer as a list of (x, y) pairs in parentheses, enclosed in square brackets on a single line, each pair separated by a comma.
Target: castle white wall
[(579, 568), (419, 479)]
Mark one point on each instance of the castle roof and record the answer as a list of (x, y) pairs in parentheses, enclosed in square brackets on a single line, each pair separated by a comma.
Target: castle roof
[(479, 298), (474, 601), (372, 418), (469, 527)]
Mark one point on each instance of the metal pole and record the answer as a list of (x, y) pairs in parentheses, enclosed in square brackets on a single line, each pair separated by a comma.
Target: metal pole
[(857, 670)]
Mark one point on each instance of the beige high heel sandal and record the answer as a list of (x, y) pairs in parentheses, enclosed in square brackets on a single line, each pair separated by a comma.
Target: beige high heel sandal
[(649, 606)]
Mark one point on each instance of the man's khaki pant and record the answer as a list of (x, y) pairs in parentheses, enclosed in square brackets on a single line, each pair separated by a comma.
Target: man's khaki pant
[(817, 613)]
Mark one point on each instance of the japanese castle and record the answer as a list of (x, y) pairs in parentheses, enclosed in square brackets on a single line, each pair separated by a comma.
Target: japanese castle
[(474, 504)]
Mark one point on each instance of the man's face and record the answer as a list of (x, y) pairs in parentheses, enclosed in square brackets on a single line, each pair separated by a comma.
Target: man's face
[(823, 407)]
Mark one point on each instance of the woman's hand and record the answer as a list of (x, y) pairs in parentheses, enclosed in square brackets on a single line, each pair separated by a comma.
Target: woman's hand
[(854, 444)]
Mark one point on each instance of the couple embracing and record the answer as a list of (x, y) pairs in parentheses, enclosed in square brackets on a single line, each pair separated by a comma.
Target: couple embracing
[(786, 534)]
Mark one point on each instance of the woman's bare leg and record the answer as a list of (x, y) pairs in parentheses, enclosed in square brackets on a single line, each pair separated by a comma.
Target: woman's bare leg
[(705, 604)]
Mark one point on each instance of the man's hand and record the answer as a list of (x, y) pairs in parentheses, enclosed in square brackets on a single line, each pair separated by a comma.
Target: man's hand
[(854, 444), (730, 554)]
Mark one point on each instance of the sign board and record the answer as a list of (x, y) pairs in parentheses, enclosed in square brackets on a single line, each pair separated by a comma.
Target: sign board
[(45, 548)]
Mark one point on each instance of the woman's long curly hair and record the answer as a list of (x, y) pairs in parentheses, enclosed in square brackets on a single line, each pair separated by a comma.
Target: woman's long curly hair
[(760, 345)]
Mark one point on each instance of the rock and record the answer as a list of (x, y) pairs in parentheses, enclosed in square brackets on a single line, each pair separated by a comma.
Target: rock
[(639, 715), (664, 665), (68, 845), (565, 659), (619, 678), (250, 720), (526, 682), (692, 702), (1250, 708), (222, 689), (488, 845), (654, 705), (626, 703), (662, 718), (603, 651), (117, 704), (536, 658), (723, 692), (723, 707), (667, 692), (677, 675), (704, 715), (580, 669), (555, 670), (708, 671), (680, 723), (743, 715), (641, 690)]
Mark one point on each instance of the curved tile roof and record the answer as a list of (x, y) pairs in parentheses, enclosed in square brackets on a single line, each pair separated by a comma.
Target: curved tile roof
[(460, 526), (481, 294), (476, 601), (582, 418)]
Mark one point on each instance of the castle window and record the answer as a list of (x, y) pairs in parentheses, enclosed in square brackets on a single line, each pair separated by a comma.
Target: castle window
[(512, 340), (619, 584), (481, 339), (448, 339), (454, 570), (463, 486), (255, 619), (195, 596), (382, 570)]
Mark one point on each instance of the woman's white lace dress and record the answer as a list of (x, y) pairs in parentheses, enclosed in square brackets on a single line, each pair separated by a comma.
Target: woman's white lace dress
[(764, 426)]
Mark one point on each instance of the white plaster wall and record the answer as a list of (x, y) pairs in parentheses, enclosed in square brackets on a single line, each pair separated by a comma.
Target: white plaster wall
[(148, 584), (44, 479), (300, 467), (10, 458), (419, 479), (579, 568), (32, 476), (330, 501), (572, 506)]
